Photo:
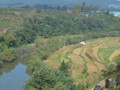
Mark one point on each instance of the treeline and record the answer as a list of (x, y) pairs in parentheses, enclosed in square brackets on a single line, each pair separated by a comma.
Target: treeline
[(61, 23)]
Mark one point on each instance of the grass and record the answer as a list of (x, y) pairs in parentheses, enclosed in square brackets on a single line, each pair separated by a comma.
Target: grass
[(116, 59), (108, 52), (100, 53)]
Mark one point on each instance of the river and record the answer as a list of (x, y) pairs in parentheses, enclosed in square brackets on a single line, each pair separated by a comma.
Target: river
[(14, 79)]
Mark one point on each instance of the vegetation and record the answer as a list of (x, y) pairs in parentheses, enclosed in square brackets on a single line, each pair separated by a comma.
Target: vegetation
[(39, 33), (45, 78)]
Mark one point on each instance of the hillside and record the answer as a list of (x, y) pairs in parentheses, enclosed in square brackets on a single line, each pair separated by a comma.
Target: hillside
[(88, 62)]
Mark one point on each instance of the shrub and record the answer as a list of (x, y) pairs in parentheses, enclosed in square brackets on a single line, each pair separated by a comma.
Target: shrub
[(9, 55)]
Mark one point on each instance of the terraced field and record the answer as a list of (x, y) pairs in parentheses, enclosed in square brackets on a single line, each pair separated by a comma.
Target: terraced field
[(89, 60)]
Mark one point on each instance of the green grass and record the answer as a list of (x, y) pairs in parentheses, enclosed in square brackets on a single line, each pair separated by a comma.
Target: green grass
[(106, 53), (109, 51), (64, 56), (116, 59), (100, 51)]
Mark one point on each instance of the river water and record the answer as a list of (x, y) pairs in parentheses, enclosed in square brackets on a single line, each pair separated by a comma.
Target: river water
[(14, 79)]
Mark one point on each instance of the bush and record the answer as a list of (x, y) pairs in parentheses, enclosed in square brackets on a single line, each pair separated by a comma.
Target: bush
[(1, 63), (116, 88), (44, 77), (9, 55)]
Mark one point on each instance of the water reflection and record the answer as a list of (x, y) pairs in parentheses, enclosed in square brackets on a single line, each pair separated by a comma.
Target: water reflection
[(13, 79)]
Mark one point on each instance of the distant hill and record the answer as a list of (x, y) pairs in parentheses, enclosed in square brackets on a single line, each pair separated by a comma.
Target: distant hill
[(103, 3), (11, 4)]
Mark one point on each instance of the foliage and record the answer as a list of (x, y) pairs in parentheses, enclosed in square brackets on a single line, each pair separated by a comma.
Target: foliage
[(43, 77), (118, 78), (52, 24), (80, 87), (8, 55), (115, 88), (60, 86), (10, 40), (64, 67)]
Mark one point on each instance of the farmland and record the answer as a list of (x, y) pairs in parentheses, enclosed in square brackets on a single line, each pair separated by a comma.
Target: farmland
[(87, 62)]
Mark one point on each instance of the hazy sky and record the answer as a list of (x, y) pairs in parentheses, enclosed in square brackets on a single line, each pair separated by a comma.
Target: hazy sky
[(61, 2)]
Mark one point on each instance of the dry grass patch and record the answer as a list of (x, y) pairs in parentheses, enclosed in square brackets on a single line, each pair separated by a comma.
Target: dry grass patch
[(100, 66), (91, 68), (64, 49), (90, 55), (51, 64), (75, 70), (77, 51), (76, 59)]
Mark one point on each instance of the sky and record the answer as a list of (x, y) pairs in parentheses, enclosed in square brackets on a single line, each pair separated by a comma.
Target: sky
[(62, 2)]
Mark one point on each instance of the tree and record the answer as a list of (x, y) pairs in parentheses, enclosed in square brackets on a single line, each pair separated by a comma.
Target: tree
[(1, 63), (117, 59), (44, 77), (77, 8), (9, 55), (116, 88), (10, 40), (64, 67), (41, 78), (118, 79), (60, 86), (84, 7)]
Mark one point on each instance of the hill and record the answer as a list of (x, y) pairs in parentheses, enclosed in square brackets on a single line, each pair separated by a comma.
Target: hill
[(103, 3), (88, 62)]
